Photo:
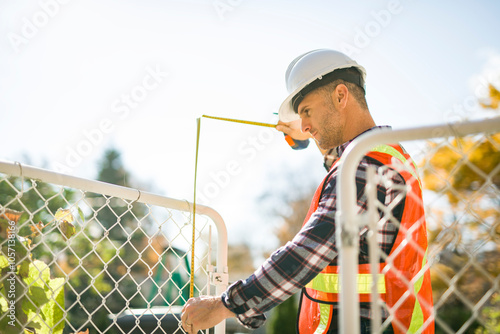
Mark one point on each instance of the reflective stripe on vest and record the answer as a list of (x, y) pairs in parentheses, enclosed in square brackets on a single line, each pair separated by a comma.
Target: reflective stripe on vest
[(324, 319), (396, 154), (330, 283), (417, 320)]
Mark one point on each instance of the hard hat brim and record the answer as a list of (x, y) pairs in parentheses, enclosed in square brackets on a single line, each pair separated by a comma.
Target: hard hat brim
[(286, 113)]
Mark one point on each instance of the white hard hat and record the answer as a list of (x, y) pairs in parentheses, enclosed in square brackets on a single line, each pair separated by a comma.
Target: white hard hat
[(312, 70)]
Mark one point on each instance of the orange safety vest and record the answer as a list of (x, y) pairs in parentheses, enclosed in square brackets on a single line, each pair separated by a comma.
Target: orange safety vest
[(411, 306)]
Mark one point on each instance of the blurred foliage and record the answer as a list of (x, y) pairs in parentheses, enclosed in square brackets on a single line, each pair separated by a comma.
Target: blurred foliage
[(284, 317), (239, 261), (464, 166), (494, 95), (465, 236), (491, 314), (30, 300)]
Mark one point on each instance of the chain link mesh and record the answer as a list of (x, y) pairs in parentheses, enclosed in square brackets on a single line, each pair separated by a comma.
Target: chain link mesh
[(461, 182), (77, 261), (462, 178)]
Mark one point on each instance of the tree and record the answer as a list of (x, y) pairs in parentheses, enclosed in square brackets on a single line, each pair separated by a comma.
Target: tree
[(239, 261), (106, 261)]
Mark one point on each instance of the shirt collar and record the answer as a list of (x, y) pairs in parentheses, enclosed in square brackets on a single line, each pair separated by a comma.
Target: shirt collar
[(340, 149)]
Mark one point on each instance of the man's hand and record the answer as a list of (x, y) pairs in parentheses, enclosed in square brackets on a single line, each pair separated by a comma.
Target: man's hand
[(202, 313), (293, 130)]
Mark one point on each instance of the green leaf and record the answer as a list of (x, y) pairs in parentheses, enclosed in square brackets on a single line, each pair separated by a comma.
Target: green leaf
[(4, 263), (7, 327), (3, 303), (82, 216), (20, 315), (67, 229), (54, 310), (38, 296), (64, 215), (45, 307), (38, 274), (24, 269), (65, 218)]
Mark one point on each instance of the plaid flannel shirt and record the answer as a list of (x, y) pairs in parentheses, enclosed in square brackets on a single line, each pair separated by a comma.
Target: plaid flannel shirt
[(292, 266)]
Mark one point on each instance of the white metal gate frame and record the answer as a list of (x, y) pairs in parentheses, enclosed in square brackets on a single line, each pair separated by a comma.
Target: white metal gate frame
[(348, 234), (217, 277)]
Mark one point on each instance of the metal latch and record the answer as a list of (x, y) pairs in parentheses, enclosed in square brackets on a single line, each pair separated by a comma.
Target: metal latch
[(219, 278)]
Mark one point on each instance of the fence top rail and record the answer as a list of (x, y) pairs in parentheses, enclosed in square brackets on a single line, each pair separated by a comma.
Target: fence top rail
[(135, 195)]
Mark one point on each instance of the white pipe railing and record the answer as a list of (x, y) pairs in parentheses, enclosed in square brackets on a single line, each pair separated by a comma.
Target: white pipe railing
[(25, 171), (347, 217)]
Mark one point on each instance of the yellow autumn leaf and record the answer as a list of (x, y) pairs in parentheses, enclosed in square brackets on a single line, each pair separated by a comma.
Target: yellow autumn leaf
[(64, 215), (494, 94), (86, 332)]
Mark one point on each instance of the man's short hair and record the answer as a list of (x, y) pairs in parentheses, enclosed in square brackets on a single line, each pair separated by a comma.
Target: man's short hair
[(357, 92)]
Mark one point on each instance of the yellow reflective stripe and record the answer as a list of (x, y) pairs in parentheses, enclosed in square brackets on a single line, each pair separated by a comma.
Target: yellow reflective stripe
[(365, 282), (330, 283), (396, 154), (324, 316), (417, 318), (325, 283)]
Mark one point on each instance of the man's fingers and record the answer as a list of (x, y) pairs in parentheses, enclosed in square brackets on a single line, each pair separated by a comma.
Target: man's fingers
[(186, 324), (283, 128), (202, 313)]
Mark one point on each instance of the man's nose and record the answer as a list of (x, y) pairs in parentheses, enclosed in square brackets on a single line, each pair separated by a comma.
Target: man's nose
[(305, 126)]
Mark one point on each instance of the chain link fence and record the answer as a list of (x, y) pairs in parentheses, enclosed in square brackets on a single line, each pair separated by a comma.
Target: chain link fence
[(461, 176), (86, 256), (459, 168)]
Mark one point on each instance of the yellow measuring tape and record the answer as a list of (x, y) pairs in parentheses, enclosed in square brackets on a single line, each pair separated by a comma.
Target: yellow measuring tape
[(198, 125), (191, 283), (240, 121)]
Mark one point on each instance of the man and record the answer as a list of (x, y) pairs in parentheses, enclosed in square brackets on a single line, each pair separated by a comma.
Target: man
[(327, 94)]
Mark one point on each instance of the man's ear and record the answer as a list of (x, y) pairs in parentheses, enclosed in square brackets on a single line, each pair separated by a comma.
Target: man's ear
[(340, 96)]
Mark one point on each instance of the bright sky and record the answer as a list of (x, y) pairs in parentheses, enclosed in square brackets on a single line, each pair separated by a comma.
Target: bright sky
[(77, 77)]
